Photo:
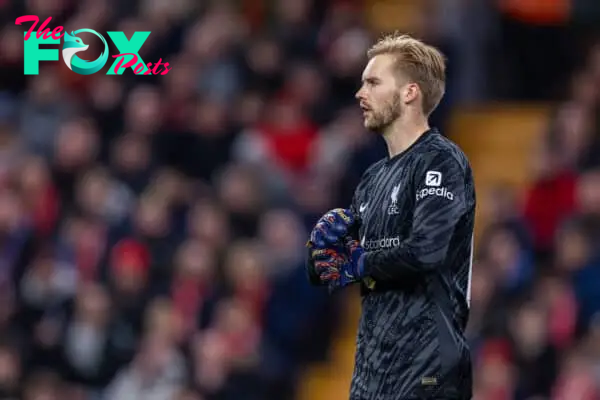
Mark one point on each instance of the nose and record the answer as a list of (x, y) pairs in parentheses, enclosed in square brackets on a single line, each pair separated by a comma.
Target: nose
[(359, 94)]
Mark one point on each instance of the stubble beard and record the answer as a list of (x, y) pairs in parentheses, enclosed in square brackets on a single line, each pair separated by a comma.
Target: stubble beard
[(390, 112)]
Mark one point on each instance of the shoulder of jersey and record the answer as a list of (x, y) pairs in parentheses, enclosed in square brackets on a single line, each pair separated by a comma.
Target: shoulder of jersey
[(442, 144)]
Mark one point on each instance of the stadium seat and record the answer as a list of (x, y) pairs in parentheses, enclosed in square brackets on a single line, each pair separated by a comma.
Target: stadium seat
[(499, 140), (391, 15)]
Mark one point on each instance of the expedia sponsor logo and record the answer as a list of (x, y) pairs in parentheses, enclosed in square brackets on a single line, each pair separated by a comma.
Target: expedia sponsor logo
[(433, 178), (439, 192), (383, 243)]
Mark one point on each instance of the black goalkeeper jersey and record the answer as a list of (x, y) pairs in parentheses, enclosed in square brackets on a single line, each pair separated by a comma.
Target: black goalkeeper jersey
[(415, 220)]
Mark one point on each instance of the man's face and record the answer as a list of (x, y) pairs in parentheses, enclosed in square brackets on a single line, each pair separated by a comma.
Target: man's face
[(380, 94)]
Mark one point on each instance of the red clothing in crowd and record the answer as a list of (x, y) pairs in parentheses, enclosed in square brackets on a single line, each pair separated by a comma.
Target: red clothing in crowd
[(547, 203)]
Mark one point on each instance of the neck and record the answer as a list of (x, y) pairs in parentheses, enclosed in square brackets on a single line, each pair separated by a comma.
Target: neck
[(403, 132)]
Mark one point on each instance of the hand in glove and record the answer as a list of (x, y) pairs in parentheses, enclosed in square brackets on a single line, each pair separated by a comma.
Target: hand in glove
[(330, 228)]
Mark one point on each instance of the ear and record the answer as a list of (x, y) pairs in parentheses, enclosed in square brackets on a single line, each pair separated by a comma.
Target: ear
[(410, 92)]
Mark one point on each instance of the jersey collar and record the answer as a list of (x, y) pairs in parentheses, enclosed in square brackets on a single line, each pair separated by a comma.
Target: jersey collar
[(420, 139)]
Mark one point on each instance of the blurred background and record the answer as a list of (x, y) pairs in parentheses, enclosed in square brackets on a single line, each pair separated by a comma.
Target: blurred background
[(152, 227)]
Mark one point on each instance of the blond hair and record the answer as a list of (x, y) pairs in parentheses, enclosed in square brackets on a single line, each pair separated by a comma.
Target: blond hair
[(423, 64)]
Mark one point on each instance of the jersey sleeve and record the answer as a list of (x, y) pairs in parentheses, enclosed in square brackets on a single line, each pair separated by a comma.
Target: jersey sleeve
[(439, 190)]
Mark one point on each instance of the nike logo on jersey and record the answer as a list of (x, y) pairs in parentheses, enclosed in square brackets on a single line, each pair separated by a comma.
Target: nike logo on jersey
[(363, 207)]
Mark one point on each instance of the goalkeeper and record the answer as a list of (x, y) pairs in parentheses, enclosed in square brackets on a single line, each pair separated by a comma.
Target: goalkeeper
[(407, 238)]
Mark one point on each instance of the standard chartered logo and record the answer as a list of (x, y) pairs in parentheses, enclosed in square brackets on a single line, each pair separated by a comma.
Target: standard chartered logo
[(383, 243)]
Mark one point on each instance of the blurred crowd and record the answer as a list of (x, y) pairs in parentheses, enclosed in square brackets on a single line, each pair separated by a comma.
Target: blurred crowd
[(152, 227), (535, 323)]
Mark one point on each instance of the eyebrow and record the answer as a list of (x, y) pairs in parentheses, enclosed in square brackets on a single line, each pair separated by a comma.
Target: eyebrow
[(370, 79)]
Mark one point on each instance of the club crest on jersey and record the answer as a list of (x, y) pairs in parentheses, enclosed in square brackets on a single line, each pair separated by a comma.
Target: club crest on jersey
[(393, 208)]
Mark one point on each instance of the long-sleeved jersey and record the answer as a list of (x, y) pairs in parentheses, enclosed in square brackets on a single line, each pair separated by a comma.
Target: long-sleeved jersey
[(415, 220)]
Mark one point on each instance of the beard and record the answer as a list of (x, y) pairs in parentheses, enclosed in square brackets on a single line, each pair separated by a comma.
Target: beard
[(389, 112)]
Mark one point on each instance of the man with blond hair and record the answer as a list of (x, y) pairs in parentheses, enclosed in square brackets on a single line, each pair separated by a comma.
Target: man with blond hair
[(407, 238)]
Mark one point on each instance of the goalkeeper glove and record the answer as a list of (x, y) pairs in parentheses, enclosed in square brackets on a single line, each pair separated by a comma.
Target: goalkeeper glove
[(351, 269), (330, 228), (340, 267), (322, 263), (328, 262)]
